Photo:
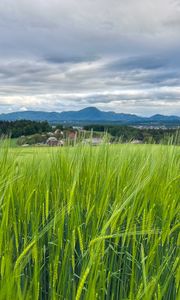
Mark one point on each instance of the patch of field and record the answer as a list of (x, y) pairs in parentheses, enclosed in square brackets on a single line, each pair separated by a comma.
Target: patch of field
[(89, 222)]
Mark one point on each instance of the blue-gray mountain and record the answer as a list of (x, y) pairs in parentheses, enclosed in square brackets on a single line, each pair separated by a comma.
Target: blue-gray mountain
[(89, 115)]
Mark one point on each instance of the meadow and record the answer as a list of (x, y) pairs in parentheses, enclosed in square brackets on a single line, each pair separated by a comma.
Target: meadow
[(90, 222)]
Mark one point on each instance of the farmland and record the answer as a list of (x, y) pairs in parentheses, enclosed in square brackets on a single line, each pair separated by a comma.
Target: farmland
[(89, 222)]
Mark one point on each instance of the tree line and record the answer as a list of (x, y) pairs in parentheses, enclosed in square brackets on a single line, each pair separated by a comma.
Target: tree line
[(15, 129), (127, 133)]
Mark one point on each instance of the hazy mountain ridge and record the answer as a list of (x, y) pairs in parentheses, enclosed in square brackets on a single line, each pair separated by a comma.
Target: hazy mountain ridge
[(89, 114)]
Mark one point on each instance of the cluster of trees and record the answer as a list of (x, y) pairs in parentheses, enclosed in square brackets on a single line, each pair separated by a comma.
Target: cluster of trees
[(16, 129), (127, 133)]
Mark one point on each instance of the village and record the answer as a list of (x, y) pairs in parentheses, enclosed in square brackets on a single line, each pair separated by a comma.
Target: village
[(60, 138)]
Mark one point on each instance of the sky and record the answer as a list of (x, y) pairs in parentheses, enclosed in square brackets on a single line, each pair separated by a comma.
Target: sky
[(117, 55)]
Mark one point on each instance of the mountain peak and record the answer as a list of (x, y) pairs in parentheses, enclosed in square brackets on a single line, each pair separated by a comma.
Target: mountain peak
[(90, 109)]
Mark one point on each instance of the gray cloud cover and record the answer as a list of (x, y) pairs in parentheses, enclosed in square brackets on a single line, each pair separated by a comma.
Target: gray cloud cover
[(68, 54)]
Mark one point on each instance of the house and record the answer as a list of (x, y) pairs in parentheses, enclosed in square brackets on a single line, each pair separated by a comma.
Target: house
[(61, 143), (78, 128), (50, 134), (96, 141), (137, 142), (72, 135), (58, 132), (52, 141)]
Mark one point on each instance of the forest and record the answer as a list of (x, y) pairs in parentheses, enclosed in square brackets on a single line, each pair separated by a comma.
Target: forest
[(15, 129)]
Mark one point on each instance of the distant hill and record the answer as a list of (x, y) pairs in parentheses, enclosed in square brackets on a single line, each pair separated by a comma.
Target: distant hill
[(89, 115)]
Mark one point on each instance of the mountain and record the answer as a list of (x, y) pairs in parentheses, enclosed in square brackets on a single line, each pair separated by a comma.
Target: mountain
[(162, 118), (89, 115)]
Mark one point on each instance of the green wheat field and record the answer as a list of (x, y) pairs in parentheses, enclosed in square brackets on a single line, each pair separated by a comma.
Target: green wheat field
[(90, 222)]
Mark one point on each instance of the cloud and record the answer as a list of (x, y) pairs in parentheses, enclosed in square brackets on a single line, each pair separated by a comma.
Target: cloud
[(120, 55)]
